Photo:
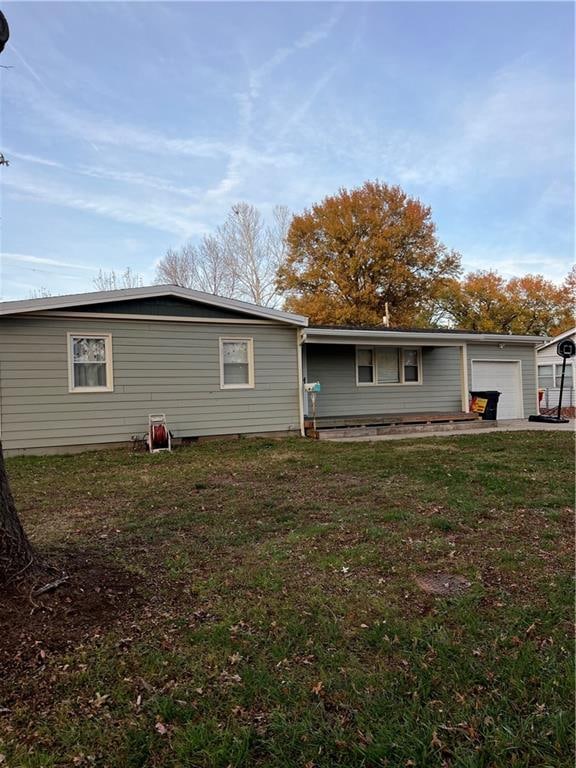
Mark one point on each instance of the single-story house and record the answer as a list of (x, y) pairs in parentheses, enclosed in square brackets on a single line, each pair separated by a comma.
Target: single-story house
[(87, 370), (550, 373)]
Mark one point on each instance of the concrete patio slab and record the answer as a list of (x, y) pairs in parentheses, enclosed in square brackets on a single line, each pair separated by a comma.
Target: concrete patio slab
[(512, 425)]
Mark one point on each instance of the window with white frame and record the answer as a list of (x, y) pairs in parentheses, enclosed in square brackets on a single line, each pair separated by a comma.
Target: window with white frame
[(388, 365), (90, 362), (236, 363), (411, 366), (550, 375)]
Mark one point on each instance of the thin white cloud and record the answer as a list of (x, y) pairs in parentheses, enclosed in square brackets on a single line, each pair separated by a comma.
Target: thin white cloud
[(42, 261), (307, 40), (166, 217), (514, 261), (247, 101), (30, 69), (28, 158), (99, 131), (304, 107), (513, 127), (135, 178)]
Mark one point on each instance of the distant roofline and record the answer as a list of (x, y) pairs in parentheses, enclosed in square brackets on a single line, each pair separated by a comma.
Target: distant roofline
[(149, 291), (556, 339)]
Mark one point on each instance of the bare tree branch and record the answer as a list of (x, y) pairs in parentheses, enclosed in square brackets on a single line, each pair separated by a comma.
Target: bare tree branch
[(239, 260), (112, 281)]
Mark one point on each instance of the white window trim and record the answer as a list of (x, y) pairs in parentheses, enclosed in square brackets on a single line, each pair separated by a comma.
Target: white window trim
[(108, 352), (235, 339), (556, 372), (552, 365), (402, 382)]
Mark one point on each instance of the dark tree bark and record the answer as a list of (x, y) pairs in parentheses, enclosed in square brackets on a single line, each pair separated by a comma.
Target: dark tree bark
[(17, 555)]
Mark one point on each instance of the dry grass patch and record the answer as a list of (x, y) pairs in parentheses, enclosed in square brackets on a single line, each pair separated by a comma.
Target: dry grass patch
[(260, 605)]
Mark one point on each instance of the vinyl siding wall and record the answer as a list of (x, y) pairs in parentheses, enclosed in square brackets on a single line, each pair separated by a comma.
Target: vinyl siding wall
[(159, 367), (527, 356), (334, 366)]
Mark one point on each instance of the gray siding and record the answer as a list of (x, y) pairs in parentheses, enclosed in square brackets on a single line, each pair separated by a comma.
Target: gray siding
[(523, 352), (164, 367), (161, 305), (333, 365)]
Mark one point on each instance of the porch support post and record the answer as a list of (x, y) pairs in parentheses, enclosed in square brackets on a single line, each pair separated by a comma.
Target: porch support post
[(464, 378), (300, 338)]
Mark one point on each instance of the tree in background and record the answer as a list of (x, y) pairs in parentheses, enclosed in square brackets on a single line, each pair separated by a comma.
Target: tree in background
[(360, 252), (239, 260), (112, 281), (486, 301), (204, 267), (40, 293), (569, 286)]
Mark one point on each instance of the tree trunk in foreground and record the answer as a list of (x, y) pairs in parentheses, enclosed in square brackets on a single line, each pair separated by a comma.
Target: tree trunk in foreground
[(17, 555)]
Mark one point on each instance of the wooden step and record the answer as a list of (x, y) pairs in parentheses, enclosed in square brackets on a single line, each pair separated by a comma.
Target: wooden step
[(388, 419), (407, 429)]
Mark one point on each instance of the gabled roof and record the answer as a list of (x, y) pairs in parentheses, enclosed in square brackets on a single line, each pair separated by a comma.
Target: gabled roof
[(556, 339), (149, 291)]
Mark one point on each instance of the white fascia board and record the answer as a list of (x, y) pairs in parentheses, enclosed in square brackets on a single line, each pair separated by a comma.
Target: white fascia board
[(348, 336), (151, 291)]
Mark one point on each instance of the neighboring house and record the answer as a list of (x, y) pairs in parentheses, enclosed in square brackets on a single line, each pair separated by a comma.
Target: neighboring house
[(87, 370), (550, 373)]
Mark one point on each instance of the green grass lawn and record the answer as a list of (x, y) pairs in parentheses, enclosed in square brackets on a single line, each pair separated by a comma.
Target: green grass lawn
[(269, 612)]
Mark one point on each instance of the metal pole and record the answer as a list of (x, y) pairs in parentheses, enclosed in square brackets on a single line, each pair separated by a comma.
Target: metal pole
[(314, 409), (559, 414)]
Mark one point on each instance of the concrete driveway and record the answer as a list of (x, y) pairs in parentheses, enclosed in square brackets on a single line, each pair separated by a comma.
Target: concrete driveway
[(465, 428)]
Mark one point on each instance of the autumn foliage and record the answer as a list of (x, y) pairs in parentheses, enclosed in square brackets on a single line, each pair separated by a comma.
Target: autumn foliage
[(359, 250), (365, 249), (486, 301)]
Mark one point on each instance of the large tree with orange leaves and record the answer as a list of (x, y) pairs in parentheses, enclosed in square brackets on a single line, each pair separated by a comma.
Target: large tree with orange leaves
[(486, 301), (360, 250)]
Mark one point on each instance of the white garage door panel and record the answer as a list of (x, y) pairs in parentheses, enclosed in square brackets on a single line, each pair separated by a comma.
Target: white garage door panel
[(505, 377)]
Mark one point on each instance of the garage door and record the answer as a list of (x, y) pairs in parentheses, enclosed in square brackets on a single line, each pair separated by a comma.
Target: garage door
[(504, 376)]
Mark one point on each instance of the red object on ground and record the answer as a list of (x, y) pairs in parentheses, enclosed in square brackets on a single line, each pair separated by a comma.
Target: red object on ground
[(159, 436)]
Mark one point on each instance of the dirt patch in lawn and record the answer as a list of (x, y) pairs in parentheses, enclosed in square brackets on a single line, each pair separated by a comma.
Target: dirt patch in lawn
[(93, 598), (426, 447), (444, 584)]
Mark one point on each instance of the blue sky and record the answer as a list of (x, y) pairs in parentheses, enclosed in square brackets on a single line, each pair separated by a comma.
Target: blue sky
[(132, 127)]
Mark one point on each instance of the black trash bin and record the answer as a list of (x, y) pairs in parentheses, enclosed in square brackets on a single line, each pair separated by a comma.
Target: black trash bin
[(485, 402)]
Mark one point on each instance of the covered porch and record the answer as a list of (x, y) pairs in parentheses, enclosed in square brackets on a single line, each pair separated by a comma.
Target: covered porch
[(376, 379)]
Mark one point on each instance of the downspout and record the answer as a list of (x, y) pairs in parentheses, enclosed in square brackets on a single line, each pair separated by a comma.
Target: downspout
[(300, 339), (464, 378), (536, 380)]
